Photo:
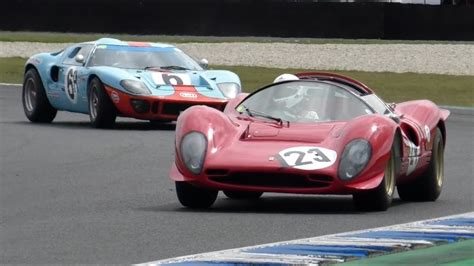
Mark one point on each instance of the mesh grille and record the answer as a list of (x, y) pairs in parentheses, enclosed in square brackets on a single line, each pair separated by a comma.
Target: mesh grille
[(280, 180)]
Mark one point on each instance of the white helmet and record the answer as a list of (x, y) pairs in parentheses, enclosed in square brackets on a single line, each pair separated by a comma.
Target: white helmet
[(284, 77)]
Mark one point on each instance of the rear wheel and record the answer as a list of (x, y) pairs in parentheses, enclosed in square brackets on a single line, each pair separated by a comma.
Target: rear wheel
[(102, 111), (194, 197), (234, 194), (428, 186), (380, 198), (35, 102)]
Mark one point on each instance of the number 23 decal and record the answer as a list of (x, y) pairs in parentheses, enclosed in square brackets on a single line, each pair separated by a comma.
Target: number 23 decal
[(307, 157), (162, 78)]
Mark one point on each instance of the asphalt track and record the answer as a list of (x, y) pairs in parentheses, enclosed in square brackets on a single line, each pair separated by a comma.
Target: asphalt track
[(73, 194)]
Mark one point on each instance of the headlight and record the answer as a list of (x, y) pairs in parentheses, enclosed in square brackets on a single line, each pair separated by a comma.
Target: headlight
[(193, 149), (229, 89), (135, 87), (355, 157)]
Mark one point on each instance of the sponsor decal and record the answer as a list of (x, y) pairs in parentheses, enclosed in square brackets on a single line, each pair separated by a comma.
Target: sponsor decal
[(115, 97), (188, 95), (414, 153), (172, 79), (427, 134), (307, 157), (70, 84)]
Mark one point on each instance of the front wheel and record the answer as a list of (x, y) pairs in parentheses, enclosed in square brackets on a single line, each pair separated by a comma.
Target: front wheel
[(234, 194), (428, 186), (35, 102), (379, 198), (102, 111), (195, 197)]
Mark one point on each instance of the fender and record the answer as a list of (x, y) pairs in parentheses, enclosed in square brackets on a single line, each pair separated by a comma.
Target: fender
[(111, 76), (426, 114), (215, 125), (43, 63), (380, 131), (220, 76)]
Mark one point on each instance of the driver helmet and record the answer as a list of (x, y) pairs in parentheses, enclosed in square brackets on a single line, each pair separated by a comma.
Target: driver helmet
[(290, 94), (285, 77)]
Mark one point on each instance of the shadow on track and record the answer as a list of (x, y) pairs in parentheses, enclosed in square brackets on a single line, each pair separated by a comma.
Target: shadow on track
[(275, 205), (121, 125)]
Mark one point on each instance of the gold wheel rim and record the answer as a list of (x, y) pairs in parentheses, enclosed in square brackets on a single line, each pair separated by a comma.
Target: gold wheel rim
[(390, 176), (439, 165)]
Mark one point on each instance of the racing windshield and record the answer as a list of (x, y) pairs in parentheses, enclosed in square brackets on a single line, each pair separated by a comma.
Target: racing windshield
[(142, 57), (305, 101)]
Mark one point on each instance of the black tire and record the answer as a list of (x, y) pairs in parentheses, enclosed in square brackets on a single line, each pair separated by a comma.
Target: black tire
[(102, 111), (159, 122), (234, 194), (35, 102), (429, 185), (194, 197), (379, 198)]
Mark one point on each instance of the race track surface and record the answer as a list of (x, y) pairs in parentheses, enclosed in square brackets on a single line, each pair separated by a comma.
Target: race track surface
[(73, 194)]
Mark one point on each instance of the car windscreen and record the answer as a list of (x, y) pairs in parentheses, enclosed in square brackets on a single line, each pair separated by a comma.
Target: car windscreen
[(142, 57), (304, 101), (376, 103)]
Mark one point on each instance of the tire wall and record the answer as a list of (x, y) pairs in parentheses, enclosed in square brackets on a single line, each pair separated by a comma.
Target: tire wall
[(241, 18)]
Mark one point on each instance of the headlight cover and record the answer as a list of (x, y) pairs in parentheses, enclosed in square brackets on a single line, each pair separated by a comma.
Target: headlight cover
[(229, 89), (193, 150), (135, 87), (354, 159)]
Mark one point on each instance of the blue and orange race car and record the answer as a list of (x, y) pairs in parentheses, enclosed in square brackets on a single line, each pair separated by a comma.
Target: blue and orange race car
[(109, 78)]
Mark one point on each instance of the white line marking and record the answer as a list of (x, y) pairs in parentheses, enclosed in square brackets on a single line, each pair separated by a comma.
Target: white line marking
[(10, 84)]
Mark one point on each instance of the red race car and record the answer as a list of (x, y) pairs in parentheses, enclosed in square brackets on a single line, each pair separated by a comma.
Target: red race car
[(313, 133)]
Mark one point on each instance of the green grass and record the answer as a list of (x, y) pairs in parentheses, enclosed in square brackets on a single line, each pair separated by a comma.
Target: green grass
[(453, 254), (11, 69), (53, 37), (392, 87)]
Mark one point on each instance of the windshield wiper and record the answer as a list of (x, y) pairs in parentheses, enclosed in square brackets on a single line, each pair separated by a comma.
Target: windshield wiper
[(167, 67), (254, 113), (174, 67)]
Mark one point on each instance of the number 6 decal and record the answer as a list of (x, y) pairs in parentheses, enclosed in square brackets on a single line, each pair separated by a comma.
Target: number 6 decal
[(172, 79), (307, 157)]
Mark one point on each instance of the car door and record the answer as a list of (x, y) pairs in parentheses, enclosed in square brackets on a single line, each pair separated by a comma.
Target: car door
[(73, 75)]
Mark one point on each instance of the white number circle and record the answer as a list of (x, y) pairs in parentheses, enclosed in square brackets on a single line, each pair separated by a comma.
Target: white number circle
[(308, 157), (165, 78)]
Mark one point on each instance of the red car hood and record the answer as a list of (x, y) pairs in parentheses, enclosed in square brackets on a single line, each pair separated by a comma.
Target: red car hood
[(294, 132)]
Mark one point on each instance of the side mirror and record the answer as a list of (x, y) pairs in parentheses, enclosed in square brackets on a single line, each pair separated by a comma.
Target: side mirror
[(204, 63), (79, 59), (396, 117), (392, 106)]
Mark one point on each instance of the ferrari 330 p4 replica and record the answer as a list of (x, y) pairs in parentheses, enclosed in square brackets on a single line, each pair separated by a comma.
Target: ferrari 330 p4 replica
[(319, 133), (109, 78)]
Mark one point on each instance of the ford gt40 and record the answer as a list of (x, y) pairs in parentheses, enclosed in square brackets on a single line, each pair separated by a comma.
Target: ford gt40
[(321, 133), (109, 78)]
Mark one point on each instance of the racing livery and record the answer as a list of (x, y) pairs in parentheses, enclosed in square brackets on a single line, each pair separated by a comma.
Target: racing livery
[(320, 133), (109, 78)]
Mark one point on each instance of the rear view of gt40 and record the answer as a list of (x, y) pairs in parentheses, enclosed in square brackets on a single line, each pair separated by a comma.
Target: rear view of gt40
[(109, 78), (315, 133)]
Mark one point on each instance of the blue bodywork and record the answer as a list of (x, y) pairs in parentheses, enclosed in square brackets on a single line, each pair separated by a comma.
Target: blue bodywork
[(58, 70)]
